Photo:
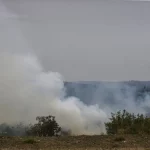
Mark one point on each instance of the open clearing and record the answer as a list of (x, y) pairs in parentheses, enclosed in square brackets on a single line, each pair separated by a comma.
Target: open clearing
[(131, 142)]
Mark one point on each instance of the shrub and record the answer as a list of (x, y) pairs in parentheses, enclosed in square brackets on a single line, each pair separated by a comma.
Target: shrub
[(128, 123), (46, 126)]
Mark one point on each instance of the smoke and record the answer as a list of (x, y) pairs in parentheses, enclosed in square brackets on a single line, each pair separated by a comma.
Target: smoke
[(112, 96), (26, 91)]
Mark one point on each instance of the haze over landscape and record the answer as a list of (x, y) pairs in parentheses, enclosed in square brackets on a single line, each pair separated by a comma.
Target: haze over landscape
[(83, 40)]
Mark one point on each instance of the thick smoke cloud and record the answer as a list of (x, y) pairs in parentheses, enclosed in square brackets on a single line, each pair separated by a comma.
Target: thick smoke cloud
[(26, 92)]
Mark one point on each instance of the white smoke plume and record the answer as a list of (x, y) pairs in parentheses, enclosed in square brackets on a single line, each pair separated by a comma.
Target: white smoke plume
[(26, 91)]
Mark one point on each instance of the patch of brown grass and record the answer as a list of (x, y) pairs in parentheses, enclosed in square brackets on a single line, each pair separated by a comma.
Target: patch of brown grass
[(101, 142), (84, 149)]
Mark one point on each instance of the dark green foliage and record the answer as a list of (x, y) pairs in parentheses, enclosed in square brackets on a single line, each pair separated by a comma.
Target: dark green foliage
[(127, 123), (46, 126)]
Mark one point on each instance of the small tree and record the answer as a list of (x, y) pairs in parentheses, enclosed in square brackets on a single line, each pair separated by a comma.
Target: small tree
[(46, 126)]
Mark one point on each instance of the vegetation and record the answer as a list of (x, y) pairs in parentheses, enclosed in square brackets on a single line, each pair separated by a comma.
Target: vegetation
[(46, 126), (121, 122), (127, 123)]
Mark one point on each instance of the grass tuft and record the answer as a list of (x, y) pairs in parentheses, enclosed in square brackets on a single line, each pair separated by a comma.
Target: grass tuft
[(29, 141), (119, 139)]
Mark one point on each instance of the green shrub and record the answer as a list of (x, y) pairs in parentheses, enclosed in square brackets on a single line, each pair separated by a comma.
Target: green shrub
[(46, 126), (128, 123)]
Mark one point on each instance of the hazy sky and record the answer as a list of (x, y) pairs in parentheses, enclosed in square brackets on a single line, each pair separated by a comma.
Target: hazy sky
[(83, 40)]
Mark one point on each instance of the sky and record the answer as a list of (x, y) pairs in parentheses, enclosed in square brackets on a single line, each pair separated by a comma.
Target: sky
[(83, 40)]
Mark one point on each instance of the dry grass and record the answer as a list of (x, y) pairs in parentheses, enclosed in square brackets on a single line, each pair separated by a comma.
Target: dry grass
[(119, 139), (29, 141), (103, 142), (82, 149)]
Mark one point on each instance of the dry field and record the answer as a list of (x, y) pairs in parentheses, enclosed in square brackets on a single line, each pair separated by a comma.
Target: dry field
[(128, 142)]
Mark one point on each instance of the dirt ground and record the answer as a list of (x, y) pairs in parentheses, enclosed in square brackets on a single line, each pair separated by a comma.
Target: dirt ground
[(76, 142)]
